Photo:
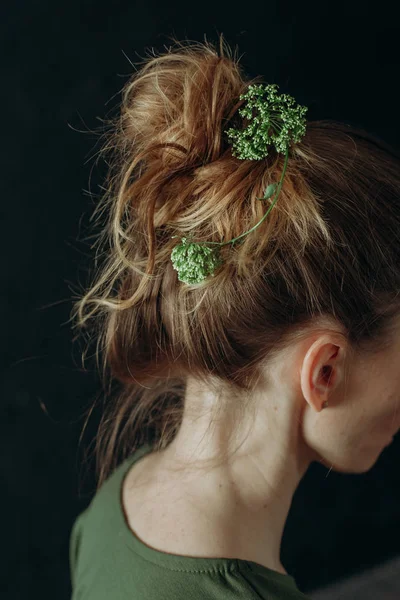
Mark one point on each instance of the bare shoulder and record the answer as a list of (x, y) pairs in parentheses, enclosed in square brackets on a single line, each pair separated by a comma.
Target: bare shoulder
[(158, 510), (162, 513)]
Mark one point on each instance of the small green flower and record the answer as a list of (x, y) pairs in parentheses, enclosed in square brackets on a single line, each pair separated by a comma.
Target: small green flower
[(195, 262), (278, 122)]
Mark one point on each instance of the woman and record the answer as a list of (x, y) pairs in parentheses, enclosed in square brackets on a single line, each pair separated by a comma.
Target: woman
[(223, 382)]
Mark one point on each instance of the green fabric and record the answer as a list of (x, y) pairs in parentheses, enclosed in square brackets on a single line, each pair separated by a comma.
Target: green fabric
[(107, 561)]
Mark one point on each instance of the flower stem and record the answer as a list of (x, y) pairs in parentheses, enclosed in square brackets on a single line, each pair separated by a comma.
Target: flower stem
[(266, 214)]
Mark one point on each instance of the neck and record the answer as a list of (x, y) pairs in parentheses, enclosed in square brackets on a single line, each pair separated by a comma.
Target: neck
[(242, 504)]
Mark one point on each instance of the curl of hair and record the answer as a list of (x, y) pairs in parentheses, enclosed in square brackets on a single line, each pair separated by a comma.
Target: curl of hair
[(328, 253)]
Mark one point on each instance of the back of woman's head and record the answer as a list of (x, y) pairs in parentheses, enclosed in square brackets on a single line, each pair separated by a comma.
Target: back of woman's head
[(326, 255)]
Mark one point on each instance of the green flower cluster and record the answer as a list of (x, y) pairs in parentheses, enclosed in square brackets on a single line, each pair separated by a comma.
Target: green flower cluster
[(279, 120), (195, 262)]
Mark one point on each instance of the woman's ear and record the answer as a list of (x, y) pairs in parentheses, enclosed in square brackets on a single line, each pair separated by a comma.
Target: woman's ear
[(322, 370)]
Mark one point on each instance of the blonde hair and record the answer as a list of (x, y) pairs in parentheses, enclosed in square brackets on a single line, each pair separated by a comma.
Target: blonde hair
[(329, 249)]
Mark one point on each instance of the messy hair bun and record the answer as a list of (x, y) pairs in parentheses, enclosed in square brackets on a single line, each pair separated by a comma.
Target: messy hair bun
[(328, 253)]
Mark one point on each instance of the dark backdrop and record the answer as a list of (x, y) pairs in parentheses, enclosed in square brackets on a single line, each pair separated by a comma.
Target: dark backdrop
[(63, 65)]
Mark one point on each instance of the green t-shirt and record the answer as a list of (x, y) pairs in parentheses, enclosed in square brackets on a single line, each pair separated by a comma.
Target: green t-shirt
[(109, 562)]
